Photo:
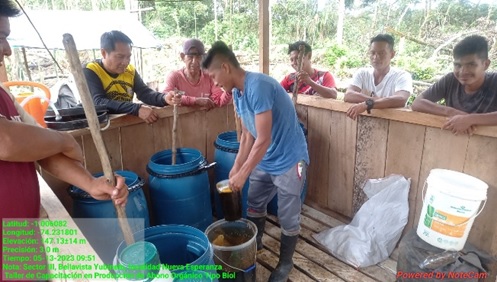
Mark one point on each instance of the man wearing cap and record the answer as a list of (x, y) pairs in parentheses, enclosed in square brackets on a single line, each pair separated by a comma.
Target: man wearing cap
[(112, 80), (200, 90)]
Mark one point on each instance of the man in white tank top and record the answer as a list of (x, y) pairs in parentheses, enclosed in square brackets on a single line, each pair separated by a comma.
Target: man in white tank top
[(380, 86)]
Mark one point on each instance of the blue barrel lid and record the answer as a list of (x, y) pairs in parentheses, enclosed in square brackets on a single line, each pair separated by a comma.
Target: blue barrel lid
[(227, 140), (187, 160), (139, 253)]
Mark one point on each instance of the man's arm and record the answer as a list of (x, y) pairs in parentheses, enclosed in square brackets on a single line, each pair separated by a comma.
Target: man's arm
[(466, 123), (483, 119), (263, 124), (173, 84), (246, 144), (285, 83), (328, 89), (424, 105), (426, 102), (146, 94), (323, 91), (73, 172), (397, 100), (100, 98), (27, 143), (354, 95), (219, 96)]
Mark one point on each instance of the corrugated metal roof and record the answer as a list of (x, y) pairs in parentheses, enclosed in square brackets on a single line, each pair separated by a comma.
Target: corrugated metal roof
[(86, 28)]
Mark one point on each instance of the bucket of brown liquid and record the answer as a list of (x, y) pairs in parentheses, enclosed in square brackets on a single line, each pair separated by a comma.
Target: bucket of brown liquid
[(234, 248), (231, 201)]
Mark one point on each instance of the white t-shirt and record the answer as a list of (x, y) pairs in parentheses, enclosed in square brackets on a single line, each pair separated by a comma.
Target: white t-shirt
[(395, 80)]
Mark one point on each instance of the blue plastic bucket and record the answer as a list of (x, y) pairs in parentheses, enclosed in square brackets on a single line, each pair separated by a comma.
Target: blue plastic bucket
[(98, 219), (227, 147), (272, 207), (181, 248), (180, 193)]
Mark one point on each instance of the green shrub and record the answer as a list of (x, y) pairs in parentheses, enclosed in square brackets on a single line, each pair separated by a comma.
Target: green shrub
[(419, 68), (352, 61), (422, 73), (334, 53)]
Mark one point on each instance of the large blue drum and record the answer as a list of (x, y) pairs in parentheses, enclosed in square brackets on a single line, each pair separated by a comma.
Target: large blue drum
[(180, 193), (98, 219), (227, 147)]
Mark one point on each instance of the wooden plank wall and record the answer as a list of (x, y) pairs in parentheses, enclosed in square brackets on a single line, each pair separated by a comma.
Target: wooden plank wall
[(345, 153)]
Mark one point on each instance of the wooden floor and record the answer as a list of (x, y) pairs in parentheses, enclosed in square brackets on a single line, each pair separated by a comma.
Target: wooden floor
[(312, 262)]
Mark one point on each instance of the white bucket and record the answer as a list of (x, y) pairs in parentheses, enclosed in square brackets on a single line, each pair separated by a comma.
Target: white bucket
[(451, 204)]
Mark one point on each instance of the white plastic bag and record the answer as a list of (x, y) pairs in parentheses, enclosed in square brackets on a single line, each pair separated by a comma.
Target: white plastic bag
[(376, 228)]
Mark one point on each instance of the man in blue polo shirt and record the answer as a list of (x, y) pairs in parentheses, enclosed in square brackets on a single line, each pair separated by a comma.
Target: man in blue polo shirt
[(273, 151)]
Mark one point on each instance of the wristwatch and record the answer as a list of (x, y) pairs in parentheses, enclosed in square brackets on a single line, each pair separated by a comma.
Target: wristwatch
[(369, 104)]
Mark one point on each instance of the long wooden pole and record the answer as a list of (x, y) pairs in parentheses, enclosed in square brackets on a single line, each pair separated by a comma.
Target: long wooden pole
[(93, 123), (175, 125), (300, 60)]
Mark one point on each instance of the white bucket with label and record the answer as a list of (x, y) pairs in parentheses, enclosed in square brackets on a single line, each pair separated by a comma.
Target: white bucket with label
[(451, 204)]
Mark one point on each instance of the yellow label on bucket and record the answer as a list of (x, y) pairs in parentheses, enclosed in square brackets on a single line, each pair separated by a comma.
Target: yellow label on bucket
[(445, 223), (449, 230)]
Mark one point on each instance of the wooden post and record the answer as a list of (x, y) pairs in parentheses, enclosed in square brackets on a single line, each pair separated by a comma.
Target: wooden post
[(93, 123), (25, 58), (264, 36)]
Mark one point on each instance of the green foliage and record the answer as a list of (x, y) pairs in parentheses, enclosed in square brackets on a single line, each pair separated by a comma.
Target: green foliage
[(418, 66), (410, 100), (178, 18), (420, 27), (333, 53), (294, 20), (339, 57), (422, 73)]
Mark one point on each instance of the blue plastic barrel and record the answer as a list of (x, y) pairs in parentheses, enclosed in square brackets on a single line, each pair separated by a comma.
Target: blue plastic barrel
[(227, 147), (272, 207), (180, 193), (181, 248), (98, 219)]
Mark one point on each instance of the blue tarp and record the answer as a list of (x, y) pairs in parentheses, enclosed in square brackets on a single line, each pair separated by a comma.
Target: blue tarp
[(86, 27)]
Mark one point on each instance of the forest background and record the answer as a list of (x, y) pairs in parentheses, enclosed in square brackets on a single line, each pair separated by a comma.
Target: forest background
[(338, 30)]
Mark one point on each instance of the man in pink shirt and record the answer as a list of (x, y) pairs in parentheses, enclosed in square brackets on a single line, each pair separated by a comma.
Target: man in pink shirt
[(200, 90)]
